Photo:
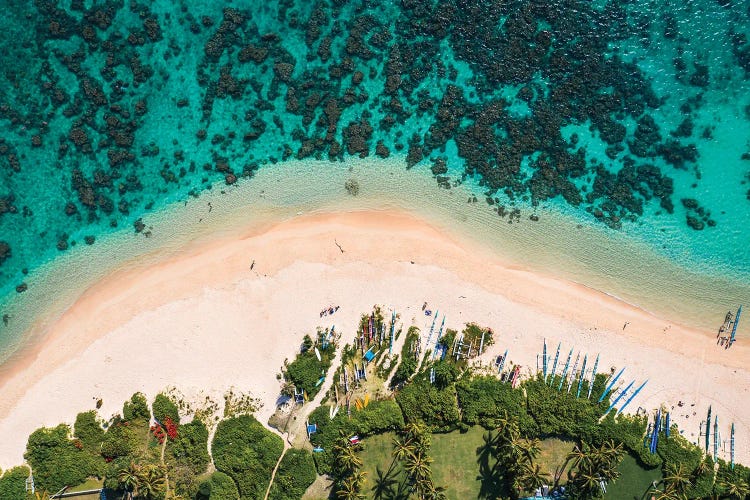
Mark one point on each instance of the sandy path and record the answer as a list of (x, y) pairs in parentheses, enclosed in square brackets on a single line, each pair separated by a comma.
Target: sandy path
[(204, 322)]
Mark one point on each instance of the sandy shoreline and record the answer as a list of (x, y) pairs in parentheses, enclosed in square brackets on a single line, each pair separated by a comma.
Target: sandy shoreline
[(203, 321)]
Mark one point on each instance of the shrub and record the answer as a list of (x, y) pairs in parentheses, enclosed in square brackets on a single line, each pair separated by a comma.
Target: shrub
[(295, 474), (218, 487), (136, 408), (306, 370), (88, 429), (446, 373), (191, 446), (473, 335), (408, 364), (13, 483), (484, 399), (559, 413), (56, 461), (247, 452), (421, 401), (164, 407), (120, 440)]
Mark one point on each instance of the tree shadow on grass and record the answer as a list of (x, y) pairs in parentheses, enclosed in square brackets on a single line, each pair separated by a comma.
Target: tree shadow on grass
[(491, 486)]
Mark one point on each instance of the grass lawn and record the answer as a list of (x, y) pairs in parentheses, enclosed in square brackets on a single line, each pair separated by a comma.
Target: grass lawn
[(455, 460), (552, 456), (455, 465), (633, 482), (90, 484)]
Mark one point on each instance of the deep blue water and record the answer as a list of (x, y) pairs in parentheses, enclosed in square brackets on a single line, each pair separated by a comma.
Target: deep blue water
[(632, 114)]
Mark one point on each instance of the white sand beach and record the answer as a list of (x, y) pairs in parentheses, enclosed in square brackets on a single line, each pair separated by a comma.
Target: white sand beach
[(203, 321)]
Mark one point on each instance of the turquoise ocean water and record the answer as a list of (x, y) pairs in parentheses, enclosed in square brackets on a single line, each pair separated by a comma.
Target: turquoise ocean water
[(623, 127)]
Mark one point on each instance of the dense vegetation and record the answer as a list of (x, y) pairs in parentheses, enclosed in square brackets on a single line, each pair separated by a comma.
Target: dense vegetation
[(295, 474), (409, 358), (218, 487), (13, 483), (247, 452), (57, 460), (164, 407), (306, 370)]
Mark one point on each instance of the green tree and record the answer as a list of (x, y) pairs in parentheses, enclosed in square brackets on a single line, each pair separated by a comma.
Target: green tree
[(13, 483), (247, 452), (88, 429), (129, 479), (677, 478), (56, 461), (152, 481), (218, 487), (164, 407), (136, 408), (295, 474), (736, 488)]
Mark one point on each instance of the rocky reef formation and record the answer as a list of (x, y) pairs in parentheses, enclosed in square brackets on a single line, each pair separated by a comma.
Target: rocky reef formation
[(125, 110)]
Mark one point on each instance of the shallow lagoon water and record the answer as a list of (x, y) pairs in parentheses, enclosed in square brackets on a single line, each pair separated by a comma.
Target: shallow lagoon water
[(142, 155)]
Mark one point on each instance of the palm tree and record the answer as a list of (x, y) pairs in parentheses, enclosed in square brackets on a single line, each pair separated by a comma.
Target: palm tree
[(677, 478), (530, 448), (152, 481), (346, 459), (417, 465), (587, 482), (736, 487), (384, 483), (349, 489), (438, 493), (575, 458), (532, 477), (130, 479), (668, 494), (402, 448)]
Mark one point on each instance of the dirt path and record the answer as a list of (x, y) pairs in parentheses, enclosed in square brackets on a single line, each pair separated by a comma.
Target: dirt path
[(295, 433), (275, 468)]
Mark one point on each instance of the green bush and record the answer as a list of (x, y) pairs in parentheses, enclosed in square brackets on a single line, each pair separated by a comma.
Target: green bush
[(473, 335), (13, 483), (421, 401), (559, 413), (376, 418), (120, 440), (485, 399), (408, 364), (56, 461), (111, 480), (164, 407), (88, 429), (187, 457), (136, 408), (295, 474), (191, 446), (306, 370), (218, 487), (247, 452)]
